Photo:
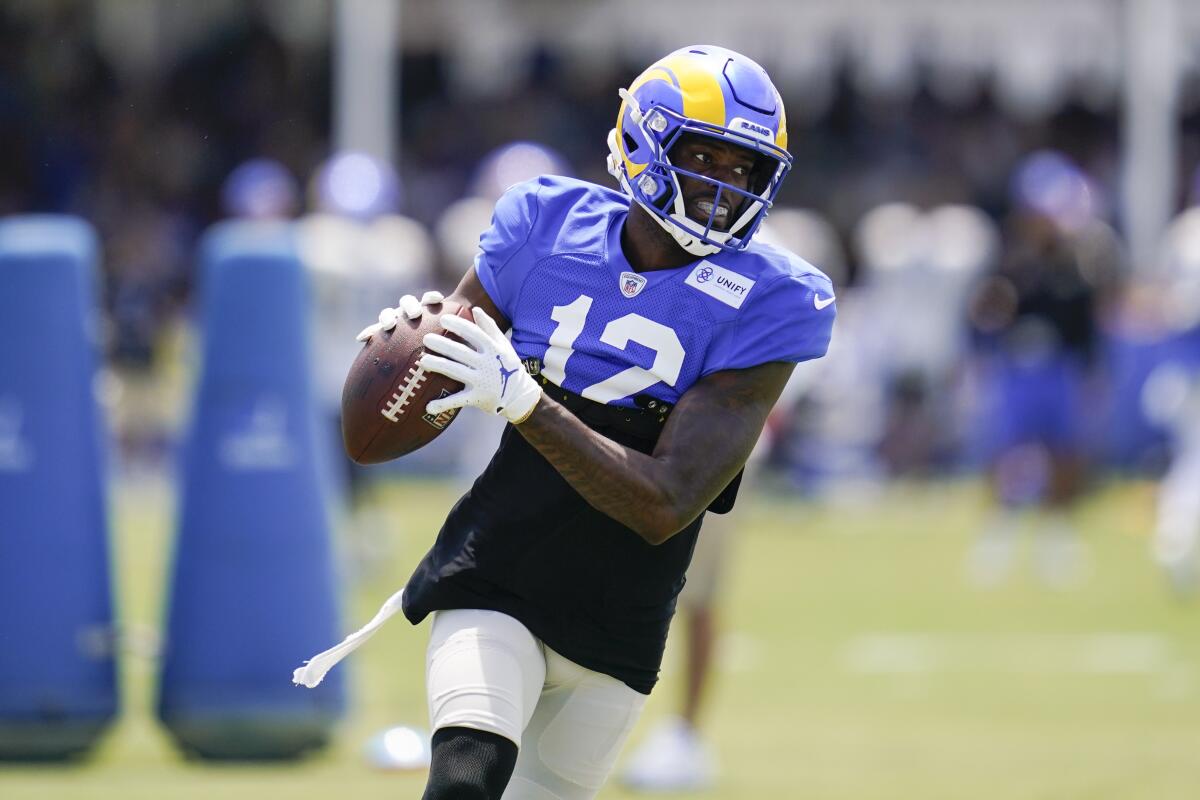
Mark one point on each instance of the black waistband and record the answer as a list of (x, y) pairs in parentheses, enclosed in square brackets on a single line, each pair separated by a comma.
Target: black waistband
[(645, 422)]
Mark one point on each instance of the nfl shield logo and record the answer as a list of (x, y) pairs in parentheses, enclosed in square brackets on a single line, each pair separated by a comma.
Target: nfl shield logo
[(631, 283)]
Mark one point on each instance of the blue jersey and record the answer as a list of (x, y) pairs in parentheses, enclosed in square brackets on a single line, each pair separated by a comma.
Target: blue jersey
[(552, 263), (522, 541)]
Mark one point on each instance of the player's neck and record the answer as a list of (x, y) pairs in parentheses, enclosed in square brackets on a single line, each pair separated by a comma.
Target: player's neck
[(647, 247)]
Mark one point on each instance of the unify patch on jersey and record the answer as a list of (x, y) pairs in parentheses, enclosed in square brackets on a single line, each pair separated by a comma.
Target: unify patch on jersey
[(719, 283)]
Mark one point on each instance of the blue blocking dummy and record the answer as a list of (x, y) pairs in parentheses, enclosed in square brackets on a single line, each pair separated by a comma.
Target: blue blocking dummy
[(253, 589), (57, 678)]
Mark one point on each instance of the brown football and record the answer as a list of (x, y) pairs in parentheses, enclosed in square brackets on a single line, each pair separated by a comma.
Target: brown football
[(384, 397)]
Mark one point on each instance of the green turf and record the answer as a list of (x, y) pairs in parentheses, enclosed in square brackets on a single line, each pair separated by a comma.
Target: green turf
[(859, 664)]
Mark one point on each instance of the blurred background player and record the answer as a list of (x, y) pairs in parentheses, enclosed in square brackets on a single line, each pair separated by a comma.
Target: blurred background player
[(1037, 335), (457, 233), (357, 247), (916, 271), (1171, 399)]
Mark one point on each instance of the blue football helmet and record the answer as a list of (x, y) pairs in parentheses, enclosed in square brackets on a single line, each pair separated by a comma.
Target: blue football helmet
[(706, 91)]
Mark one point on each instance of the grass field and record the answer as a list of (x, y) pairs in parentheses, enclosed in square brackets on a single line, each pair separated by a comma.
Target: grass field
[(858, 664)]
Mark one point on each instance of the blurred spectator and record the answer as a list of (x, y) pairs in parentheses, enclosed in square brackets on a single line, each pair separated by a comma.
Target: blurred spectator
[(260, 188)]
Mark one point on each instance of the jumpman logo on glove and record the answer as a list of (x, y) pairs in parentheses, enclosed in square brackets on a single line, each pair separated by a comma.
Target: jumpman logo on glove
[(469, 362), (505, 374)]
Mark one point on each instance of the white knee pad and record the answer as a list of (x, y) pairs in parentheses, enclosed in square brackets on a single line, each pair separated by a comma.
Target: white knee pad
[(483, 670)]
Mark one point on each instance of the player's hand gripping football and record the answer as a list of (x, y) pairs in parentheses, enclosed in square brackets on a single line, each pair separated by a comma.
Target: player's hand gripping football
[(487, 366), (409, 307)]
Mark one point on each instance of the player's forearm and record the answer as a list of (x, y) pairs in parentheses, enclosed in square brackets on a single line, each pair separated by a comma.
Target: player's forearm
[(631, 487)]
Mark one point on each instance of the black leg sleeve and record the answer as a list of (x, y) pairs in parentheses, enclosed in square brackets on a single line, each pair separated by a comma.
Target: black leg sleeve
[(469, 765)]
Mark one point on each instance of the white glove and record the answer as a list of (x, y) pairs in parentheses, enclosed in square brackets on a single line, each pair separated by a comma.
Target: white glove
[(489, 369), (409, 307)]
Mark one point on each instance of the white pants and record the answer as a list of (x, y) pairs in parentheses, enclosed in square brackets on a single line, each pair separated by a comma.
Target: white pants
[(1177, 531), (484, 670)]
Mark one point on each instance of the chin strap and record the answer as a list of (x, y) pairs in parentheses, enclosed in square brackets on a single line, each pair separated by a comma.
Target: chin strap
[(635, 109), (686, 240), (614, 163), (313, 671)]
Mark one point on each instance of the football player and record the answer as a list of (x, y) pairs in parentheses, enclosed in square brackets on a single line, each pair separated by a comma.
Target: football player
[(1171, 399), (1035, 326), (648, 339)]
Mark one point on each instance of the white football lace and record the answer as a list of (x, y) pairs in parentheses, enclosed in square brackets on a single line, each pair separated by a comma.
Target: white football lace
[(416, 376)]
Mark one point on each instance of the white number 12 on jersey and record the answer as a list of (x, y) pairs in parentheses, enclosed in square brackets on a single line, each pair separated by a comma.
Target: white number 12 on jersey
[(668, 351)]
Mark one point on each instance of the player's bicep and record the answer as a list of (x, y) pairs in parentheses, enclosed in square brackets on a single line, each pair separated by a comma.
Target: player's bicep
[(470, 292), (715, 425)]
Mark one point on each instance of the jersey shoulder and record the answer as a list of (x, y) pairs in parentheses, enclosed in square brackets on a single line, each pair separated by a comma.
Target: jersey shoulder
[(784, 270), (570, 215), (547, 201), (787, 315), (559, 191), (545, 216)]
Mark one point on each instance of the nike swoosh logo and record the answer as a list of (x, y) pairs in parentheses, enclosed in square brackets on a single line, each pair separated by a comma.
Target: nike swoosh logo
[(819, 303)]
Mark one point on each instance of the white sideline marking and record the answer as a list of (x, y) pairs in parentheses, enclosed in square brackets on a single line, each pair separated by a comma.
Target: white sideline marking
[(1090, 654)]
